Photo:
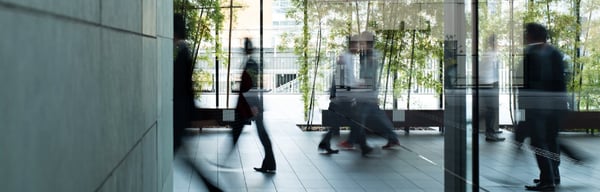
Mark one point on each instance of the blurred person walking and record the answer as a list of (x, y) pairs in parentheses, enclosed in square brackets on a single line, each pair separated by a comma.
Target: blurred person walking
[(341, 105), (183, 99), (488, 85), (249, 108), (368, 110), (365, 101), (544, 99)]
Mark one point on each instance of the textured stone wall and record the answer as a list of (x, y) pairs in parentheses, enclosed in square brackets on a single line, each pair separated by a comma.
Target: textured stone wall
[(85, 95)]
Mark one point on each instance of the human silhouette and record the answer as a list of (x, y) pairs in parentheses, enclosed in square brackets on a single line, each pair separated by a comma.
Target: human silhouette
[(249, 108), (183, 98), (368, 104), (363, 94), (367, 113), (488, 86), (544, 99), (344, 78)]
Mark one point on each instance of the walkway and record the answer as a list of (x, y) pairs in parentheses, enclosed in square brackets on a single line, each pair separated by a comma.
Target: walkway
[(418, 166)]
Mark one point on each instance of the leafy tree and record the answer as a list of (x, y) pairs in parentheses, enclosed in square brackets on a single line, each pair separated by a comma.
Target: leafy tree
[(311, 45), (205, 20), (338, 20), (589, 68)]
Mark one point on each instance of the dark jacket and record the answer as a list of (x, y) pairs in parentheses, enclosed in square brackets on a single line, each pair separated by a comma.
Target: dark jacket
[(544, 79), (544, 88), (247, 97), (183, 94), (544, 69)]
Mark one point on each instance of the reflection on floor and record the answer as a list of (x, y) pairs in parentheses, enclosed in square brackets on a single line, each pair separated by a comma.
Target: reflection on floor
[(417, 167)]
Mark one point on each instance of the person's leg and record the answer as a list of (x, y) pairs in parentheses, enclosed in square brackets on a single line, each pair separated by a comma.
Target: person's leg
[(541, 146), (387, 128), (486, 101), (268, 164), (555, 160), (358, 126), (326, 140), (555, 122), (362, 141), (361, 137), (237, 127), (325, 143), (485, 109), (522, 131), (489, 120), (495, 102), (380, 123), (354, 135), (543, 159), (490, 114), (236, 130), (346, 113)]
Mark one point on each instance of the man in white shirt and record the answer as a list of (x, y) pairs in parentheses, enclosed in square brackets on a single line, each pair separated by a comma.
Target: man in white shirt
[(488, 86)]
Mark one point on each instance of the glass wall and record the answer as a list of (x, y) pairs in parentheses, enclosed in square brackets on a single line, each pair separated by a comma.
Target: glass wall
[(456, 63), (503, 40)]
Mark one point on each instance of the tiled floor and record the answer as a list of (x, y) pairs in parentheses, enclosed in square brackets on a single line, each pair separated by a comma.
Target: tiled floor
[(418, 166)]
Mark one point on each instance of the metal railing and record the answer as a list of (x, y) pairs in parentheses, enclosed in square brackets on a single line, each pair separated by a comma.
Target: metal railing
[(281, 75)]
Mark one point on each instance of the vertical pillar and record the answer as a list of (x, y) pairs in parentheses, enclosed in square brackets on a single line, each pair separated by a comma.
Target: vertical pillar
[(455, 126)]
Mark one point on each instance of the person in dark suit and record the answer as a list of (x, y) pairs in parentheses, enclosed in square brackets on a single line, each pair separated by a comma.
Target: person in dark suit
[(183, 97), (543, 97), (249, 108)]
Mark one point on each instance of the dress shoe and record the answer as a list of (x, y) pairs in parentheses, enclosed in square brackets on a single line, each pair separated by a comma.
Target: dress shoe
[(263, 170), (556, 181), (494, 138), (327, 149), (540, 187)]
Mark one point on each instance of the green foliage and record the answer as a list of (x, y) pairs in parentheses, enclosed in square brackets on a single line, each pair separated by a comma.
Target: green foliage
[(566, 33), (202, 79), (341, 19), (313, 16), (205, 20), (590, 90)]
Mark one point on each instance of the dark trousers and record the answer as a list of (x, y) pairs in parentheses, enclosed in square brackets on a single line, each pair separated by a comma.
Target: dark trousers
[(545, 125), (340, 110), (489, 102), (238, 127), (346, 111), (369, 115)]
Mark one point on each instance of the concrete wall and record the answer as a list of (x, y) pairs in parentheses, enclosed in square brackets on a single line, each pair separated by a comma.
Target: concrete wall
[(85, 95)]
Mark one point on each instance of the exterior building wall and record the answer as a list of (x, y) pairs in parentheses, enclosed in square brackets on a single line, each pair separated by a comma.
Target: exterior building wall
[(86, 89), (247, 24)]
